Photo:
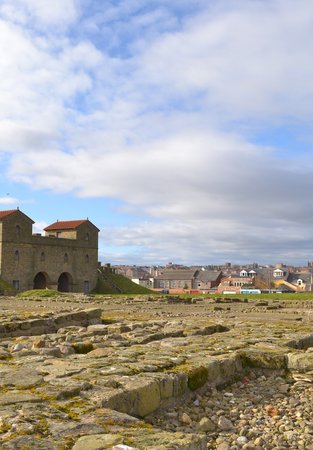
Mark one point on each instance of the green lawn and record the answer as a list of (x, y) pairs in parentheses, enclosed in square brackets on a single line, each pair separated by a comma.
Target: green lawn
[(40, 293), (272, 296), (5, 286), (113, 283)]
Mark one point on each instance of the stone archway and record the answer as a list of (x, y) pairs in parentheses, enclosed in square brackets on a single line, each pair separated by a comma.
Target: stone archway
[(41, 280), (64, 282)]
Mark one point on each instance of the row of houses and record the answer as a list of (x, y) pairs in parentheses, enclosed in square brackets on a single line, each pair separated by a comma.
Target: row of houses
[(201, 280)]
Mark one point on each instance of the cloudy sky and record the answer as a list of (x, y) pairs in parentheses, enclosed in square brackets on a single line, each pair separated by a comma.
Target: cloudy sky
[(182, 128)]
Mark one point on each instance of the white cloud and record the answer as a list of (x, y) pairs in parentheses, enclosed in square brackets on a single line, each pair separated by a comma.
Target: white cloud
[(251, 59), (204, 175), (40, 81), (198, 242), (56, 13), (38, 227), (8, 200), (163, 117)]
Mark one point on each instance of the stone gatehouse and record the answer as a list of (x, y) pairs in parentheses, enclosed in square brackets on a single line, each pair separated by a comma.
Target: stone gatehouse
[(65, 258)]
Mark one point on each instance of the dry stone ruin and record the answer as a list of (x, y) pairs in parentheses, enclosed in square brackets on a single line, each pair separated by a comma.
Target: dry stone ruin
[(87, 373)]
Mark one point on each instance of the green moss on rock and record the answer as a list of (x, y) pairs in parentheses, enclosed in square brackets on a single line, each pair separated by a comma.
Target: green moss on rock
[(263, 359), (83, 348), (197, 377)]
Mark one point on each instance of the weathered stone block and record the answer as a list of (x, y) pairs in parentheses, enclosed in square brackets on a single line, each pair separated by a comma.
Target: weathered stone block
[(97, 442), (230, 366), (301, 362), (213, 367), (139, 397), (166, 386), (180, 384), (302, 343), (98, 329), (267, 359)]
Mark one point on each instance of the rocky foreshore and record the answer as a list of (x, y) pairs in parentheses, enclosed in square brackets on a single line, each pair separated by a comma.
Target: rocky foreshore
[(148, 373)]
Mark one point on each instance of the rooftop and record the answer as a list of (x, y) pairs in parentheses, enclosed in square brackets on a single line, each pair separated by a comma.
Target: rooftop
[(176, 275), (7, 213), (65, 225)]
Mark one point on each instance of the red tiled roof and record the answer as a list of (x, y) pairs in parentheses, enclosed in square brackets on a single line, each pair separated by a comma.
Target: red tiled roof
[(65, 225), (7, 213), (11, 211)]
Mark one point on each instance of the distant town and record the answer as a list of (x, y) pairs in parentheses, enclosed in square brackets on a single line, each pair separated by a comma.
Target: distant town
[(225, 279)]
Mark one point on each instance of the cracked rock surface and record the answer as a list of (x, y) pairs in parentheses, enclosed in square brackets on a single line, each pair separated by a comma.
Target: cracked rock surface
[(88, 373)]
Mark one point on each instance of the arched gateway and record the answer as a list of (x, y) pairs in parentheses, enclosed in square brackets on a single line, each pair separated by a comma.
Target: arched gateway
[(41, 280), (64, 257), (64, 282)]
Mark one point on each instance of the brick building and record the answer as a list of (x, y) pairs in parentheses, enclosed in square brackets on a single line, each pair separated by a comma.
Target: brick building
[(191, 279), (65, 258), (175, 279)]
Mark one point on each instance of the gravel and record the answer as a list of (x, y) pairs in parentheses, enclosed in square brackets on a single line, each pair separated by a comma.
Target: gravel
[(262, 411)]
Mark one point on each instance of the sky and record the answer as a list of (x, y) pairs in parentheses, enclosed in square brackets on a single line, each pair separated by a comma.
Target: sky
[(182, 129)]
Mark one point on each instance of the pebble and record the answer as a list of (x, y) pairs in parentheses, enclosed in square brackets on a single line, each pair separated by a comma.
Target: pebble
[(249, 415), (206, 424), (224, 423), (223, 446), (185, 418), (17, 347)]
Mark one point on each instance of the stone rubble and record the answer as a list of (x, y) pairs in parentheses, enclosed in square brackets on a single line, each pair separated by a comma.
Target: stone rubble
[(88, 373), (263, 410)]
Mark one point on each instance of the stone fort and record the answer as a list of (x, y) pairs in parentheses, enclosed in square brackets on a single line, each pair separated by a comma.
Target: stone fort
[(65, 258)]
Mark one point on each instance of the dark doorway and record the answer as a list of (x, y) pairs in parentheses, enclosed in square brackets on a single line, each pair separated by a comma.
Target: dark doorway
[(86, 287), (40, 281), (64, 282)]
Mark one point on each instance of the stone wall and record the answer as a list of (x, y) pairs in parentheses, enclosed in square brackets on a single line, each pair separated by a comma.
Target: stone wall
[(24, 255), (34, 327)]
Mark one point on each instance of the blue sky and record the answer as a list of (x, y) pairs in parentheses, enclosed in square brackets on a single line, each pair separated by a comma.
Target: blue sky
[(182, 129)]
